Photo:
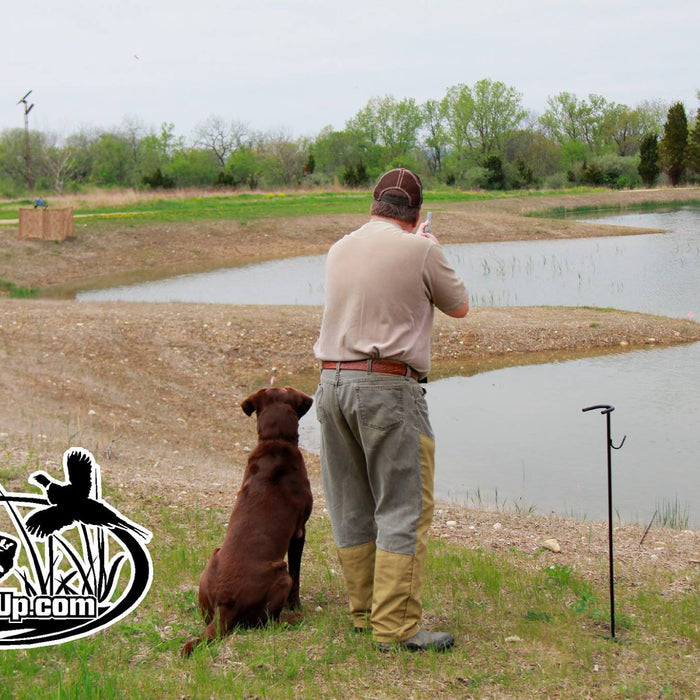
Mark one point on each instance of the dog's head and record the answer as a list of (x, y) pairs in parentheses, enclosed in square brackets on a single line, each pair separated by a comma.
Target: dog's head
[(278, 411)]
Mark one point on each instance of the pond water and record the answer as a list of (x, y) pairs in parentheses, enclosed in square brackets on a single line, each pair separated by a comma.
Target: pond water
[(655, 273), (517, 437)]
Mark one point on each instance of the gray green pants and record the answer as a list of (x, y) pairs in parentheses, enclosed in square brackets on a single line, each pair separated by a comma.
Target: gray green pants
[(377, 463)]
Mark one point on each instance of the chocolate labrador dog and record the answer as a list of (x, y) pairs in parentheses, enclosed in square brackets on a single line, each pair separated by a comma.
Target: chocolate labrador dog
[(247, 581)]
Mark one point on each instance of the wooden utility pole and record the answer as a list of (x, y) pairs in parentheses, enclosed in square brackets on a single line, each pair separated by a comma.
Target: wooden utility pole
[(27, 149)]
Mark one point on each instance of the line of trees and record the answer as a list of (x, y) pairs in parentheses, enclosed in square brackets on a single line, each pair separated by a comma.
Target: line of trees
[(477, 136)]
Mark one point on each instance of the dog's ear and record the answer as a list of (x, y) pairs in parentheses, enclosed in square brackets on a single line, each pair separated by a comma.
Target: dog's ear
[(300, 401), (252, 403)]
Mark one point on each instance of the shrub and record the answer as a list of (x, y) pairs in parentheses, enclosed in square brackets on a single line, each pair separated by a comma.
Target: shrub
[(356, 175), (476, 178), (611, 171), (525, 177), (557, 181), (495, 177), (158, 181)]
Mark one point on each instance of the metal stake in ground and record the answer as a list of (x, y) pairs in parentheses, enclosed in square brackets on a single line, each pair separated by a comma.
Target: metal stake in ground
[(607, 410)]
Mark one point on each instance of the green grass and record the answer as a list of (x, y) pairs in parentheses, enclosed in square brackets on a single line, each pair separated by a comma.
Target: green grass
[(673, 514), (241, 207), (252, 206), (526, 626), (17, 292)]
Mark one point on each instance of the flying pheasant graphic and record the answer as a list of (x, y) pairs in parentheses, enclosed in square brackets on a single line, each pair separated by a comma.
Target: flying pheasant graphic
[(71, 502)]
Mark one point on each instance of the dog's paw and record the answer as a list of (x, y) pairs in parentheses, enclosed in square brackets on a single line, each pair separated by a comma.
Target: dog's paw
[(187, 648), (292, 617)]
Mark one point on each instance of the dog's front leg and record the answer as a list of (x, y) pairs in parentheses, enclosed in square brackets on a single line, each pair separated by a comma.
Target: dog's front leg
[(214, 630), (296, 547)]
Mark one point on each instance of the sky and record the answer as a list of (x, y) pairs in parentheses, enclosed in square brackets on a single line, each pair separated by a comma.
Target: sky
[(293, 67)]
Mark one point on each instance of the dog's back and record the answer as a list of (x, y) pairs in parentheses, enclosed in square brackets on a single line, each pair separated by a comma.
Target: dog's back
[(273, 503)]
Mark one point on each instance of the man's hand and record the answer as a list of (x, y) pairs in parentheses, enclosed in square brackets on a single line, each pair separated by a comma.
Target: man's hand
[(420, 231)]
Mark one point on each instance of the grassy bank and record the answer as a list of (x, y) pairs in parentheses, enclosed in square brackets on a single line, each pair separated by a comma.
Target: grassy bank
[(188, 206), (527, 623), (564, 212)]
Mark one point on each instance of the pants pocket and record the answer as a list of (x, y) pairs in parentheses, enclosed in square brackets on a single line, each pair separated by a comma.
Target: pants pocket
[(318, 403), (380, 407)]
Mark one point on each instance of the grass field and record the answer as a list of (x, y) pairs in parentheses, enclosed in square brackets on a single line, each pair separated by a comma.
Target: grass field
[(526, 627), (192, 206)]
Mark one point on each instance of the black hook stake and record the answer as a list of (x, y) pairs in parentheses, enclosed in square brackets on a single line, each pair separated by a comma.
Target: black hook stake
[(607, 410)]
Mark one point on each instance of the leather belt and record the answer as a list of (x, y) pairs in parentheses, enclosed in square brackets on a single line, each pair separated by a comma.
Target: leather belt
[(395, 367)]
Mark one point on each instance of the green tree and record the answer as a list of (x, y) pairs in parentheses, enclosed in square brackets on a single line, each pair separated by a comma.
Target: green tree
[(539, 155), (334, 151), (651, 115), (245, 167), (621, 127), (435, 142), (479, 120), (498, 111), (495, 177), (82, 145), (459, 114), (158, 181), (13, 165), (627, 127), (386, 131), (694, 146), (565, 118), (362, 131), (573, 153), (356, 175), (649, 159), (674, 143), (193, 167), (593, 122), (398, 125), (112, 161), (285, 159)]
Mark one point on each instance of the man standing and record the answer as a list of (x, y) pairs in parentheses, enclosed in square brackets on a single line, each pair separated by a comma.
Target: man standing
[(377, 447)]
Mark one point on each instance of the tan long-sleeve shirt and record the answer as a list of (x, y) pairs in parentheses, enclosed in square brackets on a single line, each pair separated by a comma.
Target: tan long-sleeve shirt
[(382, 285)]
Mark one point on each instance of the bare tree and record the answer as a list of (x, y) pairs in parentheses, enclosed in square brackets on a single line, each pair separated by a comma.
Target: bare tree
[(58, 161), (221, 138)]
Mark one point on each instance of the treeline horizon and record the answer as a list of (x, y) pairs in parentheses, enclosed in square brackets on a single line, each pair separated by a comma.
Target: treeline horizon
[(475, 137)]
